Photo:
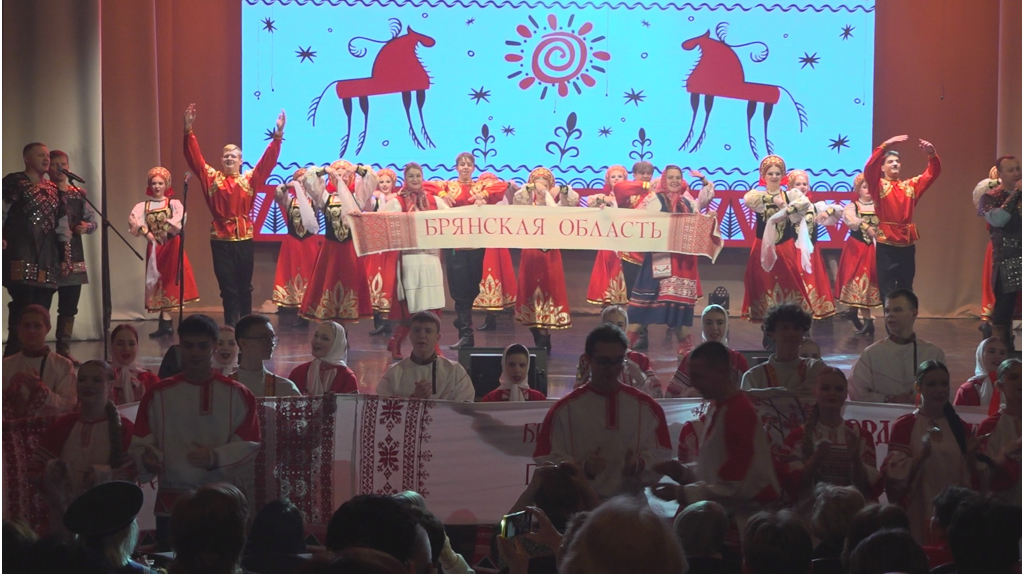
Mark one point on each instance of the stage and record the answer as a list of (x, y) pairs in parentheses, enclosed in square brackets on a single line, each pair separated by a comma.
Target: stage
[(368, 356)]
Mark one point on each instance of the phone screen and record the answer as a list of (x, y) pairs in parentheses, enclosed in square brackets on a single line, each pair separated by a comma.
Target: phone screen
[(517, 523)]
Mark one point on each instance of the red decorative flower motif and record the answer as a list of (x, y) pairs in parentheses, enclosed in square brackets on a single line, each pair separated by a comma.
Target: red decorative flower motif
[(559, 58), (387, 451)]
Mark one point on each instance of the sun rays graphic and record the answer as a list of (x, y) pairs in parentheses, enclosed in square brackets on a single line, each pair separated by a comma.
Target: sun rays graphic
[(555, 56)]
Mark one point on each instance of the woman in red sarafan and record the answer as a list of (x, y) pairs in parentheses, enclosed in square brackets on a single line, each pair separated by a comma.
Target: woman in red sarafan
[(542, 303), (380, 267), (338, 289), (857, 278), (299, 247), (160, 220), (774, 270), (498, 286), (819, 289), (607, 285)]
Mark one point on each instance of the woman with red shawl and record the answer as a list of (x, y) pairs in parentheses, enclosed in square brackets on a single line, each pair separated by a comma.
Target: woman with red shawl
[(819, 289), (380, 267), (299, 247), (857, 278), (607, 284)]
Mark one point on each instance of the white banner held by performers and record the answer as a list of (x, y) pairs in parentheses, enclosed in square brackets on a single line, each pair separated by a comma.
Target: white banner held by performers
[(538, 228)]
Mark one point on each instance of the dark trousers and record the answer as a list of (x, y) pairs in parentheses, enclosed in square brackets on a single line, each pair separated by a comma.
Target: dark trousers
[(465, 268), (895, 267), (67, 300), (1005, 305), (630, 271), (22, 296), (232, 264)]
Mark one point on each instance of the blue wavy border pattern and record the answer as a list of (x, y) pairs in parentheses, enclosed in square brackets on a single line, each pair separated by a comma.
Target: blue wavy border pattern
[(567, 5)]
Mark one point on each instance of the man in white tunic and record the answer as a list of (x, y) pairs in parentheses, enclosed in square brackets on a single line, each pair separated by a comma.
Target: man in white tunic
[(36, 382), (424, 374), (787, 325), (196, 427), (886, 370), (256, 343), (616, 433)]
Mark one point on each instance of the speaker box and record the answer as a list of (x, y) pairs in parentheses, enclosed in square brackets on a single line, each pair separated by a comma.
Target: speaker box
[(484, 367)]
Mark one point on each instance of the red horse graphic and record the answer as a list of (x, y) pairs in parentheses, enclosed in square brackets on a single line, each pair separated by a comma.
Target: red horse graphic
[(397, 68), (719, 72)]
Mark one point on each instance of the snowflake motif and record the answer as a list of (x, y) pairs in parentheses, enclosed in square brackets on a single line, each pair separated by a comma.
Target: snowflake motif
[(839, 143), (268, 25), (481, 94), (633, 96), (305, 54), (471, 21), (809, 60), (847, 32), (508, 130), (645, 23), (387, 451), (604, 132), (391, 413)]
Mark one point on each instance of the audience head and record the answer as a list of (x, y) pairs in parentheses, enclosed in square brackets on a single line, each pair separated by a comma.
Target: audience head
[(871, 519), (227, 348), (623, 535), (701, 528), (889, 550), (330, 343), (411, 498), (776, 543), (277, 529), (18, 543), (1008, 380), (355, 561), (256, 337), (809, 349), (901, 312), (208, 530), (932, 383), (381, 523), (515, 364), (197, 339), (616, 315), (125, 342), (33, 326), (787, 325), (711, 371), (434, 529), (944, 505), (425, 333), (714, 321), (1008, 169), (37, 158), (984, 536), (834, 509), (605, 354), (830, 389), (94, 383), (991, 353), (104, 519)]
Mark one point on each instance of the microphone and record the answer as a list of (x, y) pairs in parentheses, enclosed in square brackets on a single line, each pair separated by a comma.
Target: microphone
[(71, 176), (188, 174)]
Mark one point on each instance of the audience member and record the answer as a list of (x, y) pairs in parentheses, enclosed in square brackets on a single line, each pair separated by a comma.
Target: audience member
[(827, 448), (208, 526), (514, 383), (638, 372), (890, 550), (776, 543), (104, 520), (328, 372), (980, 390), (560, 491), (425, 374), (256, 343), (885, 372), (871, 519), (834, 509), (132, 380), (787, 325), (929, 449), (355, 561), (180, 437), (734, 466), (442, 557), (86, 447), (380, 523), (714, 322), (18, 541), (616, 433), (623, 535), (984, 537), (944, 505), (809, 349), (1003, 431), (701, 528), (225, 359), (36, 382), (276, 539)]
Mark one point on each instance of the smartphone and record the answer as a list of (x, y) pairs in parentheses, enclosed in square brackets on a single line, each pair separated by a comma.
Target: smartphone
[(517, 523)]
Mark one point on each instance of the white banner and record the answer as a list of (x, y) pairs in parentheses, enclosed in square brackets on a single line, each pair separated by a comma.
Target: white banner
[(538, 228)]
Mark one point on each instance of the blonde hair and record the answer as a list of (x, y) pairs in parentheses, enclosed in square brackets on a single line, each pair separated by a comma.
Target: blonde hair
[(232, 147)]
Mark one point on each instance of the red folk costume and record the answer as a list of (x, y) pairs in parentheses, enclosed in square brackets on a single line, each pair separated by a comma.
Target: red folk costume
[(542, 301), (895, 200), (164, 219), (775, 269), (300, 247), (338, 289), (629, 194), (380, 267), (607, 284), (857, 278), (819, 288), (419, 283)]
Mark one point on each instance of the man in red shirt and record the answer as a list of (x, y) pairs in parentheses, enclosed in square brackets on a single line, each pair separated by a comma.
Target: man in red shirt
[(230, 195), (895, 200)]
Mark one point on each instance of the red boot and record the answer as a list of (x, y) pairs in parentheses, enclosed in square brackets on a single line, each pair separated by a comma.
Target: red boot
[(395, 343), (685, 345)]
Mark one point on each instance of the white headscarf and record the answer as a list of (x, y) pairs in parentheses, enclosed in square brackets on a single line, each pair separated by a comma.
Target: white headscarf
[(337, 356), (516, 391), (719, 309), (979, 357)]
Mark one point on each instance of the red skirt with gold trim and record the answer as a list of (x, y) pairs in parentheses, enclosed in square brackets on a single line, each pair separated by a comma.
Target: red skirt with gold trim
[(857, 278), (988, 295), (338, 289), (542, 301), (783, 284), (381, 275), (164, 296), (607, 285), (819, 290), (295, 264), (498, 284)]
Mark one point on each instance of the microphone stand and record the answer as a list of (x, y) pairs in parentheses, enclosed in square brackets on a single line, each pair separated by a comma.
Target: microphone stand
[(179, 277)]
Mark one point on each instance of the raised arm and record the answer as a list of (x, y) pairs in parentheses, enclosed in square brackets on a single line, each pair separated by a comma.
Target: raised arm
[(707, 190), (193, 155), (266, 164), (922, 182)]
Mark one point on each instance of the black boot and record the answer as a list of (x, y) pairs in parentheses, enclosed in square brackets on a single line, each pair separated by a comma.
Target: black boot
[(165, 329), (380, 326), (65, 329), (300, 322), (854, 316), (986, 330), (490, 322), (642, 343), (868, 329), (465, 341), (464, 323), (537, 337)]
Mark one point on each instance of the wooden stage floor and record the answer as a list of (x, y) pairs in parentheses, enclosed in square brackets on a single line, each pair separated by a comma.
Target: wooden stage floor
[(369, 357)]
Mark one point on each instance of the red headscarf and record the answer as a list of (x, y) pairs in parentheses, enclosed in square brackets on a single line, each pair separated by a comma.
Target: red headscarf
[(161, 172), (770, 161)]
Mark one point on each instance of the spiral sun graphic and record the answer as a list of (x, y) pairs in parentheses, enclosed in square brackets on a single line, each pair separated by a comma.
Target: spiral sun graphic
[(555, 56)]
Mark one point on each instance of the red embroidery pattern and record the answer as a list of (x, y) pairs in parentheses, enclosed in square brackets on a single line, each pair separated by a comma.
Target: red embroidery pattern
[(393, 434), (22, 499)]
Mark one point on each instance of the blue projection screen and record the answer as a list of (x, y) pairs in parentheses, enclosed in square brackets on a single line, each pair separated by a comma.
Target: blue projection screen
[(574, 86)]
